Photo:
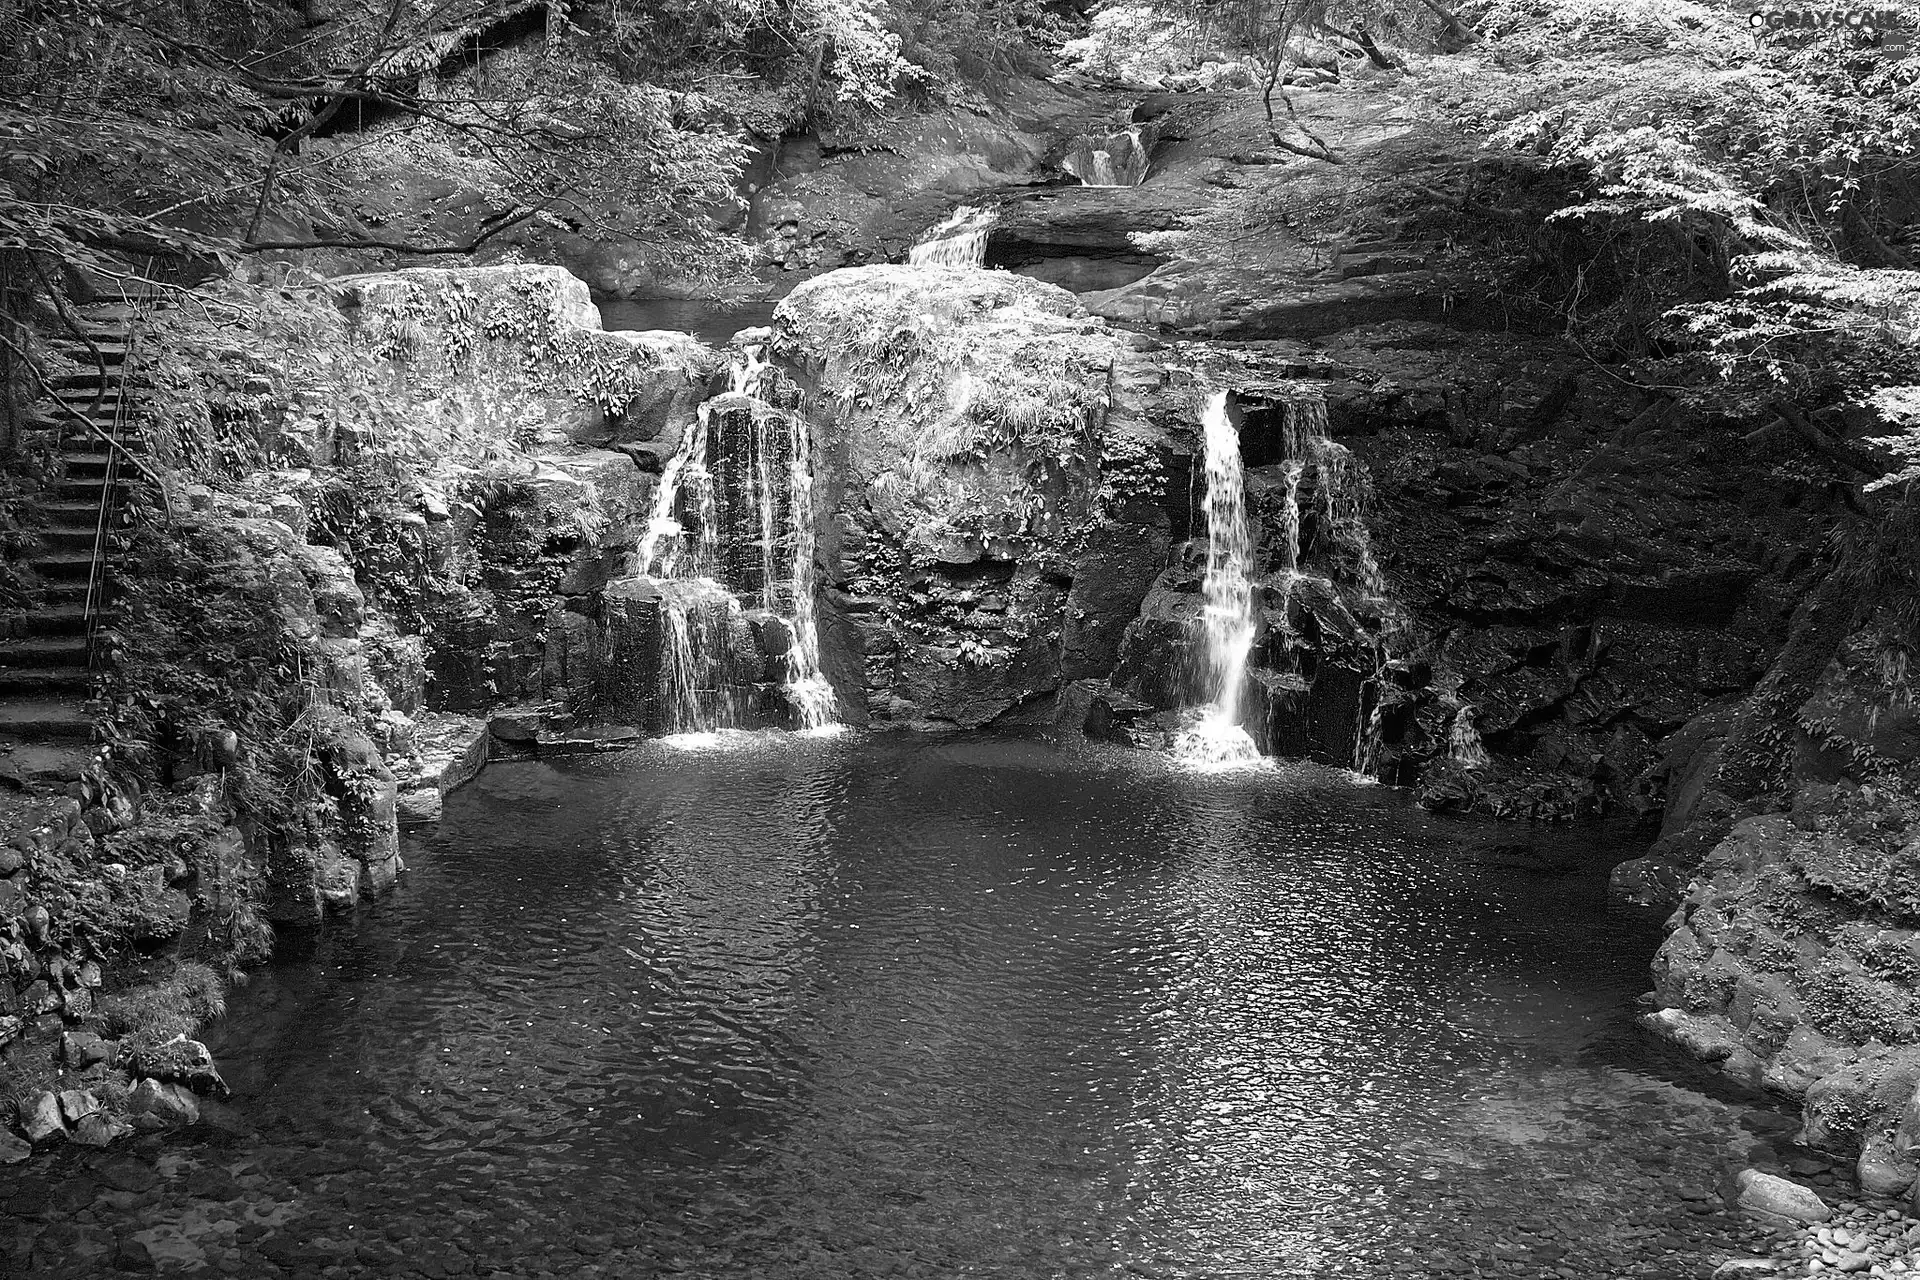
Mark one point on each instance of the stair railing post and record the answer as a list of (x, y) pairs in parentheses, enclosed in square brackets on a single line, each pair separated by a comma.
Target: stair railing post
[(97, 570)]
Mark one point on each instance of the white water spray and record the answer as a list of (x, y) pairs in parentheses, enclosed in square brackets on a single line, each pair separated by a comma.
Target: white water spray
[(1117, 160), (1340, 533), (661, 548), (807, 688), (697, 611), (1463, 740), (1227, 617), (960, 241)]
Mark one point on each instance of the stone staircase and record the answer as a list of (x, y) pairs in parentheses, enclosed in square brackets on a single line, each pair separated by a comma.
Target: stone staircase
[(45, 668)]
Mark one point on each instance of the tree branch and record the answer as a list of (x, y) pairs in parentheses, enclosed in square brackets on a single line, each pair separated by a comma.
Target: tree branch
[(1834, 449), (488, 230)]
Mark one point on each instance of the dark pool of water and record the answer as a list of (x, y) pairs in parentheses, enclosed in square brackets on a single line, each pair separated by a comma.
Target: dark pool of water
[(710, 320), (875, 1006)]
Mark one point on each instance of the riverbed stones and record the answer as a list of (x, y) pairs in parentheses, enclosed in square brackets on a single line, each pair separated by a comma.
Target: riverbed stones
[(1777, 1200), (98, 1129), (40, 1118), (181, 1061), (83, 1049), (1705, 1038)]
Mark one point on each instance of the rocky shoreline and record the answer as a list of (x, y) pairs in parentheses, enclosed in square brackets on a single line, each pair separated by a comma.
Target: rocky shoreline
[(1597, 578)]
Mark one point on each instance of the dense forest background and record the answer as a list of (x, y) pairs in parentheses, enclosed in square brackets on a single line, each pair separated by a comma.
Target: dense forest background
[(1733, 218)]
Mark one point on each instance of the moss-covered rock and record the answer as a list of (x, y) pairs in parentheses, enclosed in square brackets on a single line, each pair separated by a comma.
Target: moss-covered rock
[(991, 478)]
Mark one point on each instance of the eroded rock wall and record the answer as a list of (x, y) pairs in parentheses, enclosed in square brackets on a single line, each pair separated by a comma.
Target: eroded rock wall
[(1793, 959)]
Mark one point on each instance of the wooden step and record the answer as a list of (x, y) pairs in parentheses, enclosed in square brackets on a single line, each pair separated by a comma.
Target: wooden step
[(77, 537), (55, 718), (86, 464), (44, 680), (86, 489), (66, 565), (69, 513), (114, 358), (44, 652), (113, 348), (48, 620), (67, 594), (55, 420)]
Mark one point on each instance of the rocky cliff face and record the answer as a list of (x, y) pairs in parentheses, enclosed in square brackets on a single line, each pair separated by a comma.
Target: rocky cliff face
[(1579, 567), (1009, 499), (1791, 960)]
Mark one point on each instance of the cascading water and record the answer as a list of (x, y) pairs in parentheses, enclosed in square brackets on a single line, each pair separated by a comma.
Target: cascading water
[(1346, 573), (960, 241), (1227, 621), (698, 612), (1117, 160), (1463, 741), (807, 688)]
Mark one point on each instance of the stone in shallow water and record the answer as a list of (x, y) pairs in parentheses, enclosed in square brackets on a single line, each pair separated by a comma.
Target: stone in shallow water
[(1773, 1198), (1707, 1039), (97, 1129), (155, 1104), (419, 806)]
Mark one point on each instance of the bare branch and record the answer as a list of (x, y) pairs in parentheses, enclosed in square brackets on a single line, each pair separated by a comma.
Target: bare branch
[(489, 229)]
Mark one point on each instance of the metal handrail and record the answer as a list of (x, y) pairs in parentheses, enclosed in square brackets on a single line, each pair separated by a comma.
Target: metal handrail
[(97, 571)]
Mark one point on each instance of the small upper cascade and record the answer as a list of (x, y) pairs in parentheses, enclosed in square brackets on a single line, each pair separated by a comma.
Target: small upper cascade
[(1463, 741), (696, 612), (663, 554), (1227, 620), (960, 241), (1117, 159)]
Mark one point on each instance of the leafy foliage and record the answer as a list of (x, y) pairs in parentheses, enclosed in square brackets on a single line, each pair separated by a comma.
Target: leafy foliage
[(1780, 182)]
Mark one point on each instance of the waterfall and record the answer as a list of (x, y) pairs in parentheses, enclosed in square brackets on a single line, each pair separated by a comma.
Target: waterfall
[(1463, 740), (1288, 568), (960, 241), (1227, 622), (766, 502), (697, 610), (1342, 549), (807, 688), (661, 547), (1116, 160)]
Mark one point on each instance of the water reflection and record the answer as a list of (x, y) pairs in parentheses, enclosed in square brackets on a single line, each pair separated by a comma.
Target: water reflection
[(865, 1006)]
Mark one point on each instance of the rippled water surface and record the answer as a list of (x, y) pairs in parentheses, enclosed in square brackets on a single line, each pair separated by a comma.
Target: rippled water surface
[(710, 321), (872, 1006)]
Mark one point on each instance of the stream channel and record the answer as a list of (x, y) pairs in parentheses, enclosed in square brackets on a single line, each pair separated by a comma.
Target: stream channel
[(876, 1005)]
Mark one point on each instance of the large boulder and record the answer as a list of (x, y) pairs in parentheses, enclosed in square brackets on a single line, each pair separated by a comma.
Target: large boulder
[(991, 478)]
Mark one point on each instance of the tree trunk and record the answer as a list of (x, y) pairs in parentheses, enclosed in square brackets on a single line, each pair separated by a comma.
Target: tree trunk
[(1455, 35)]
